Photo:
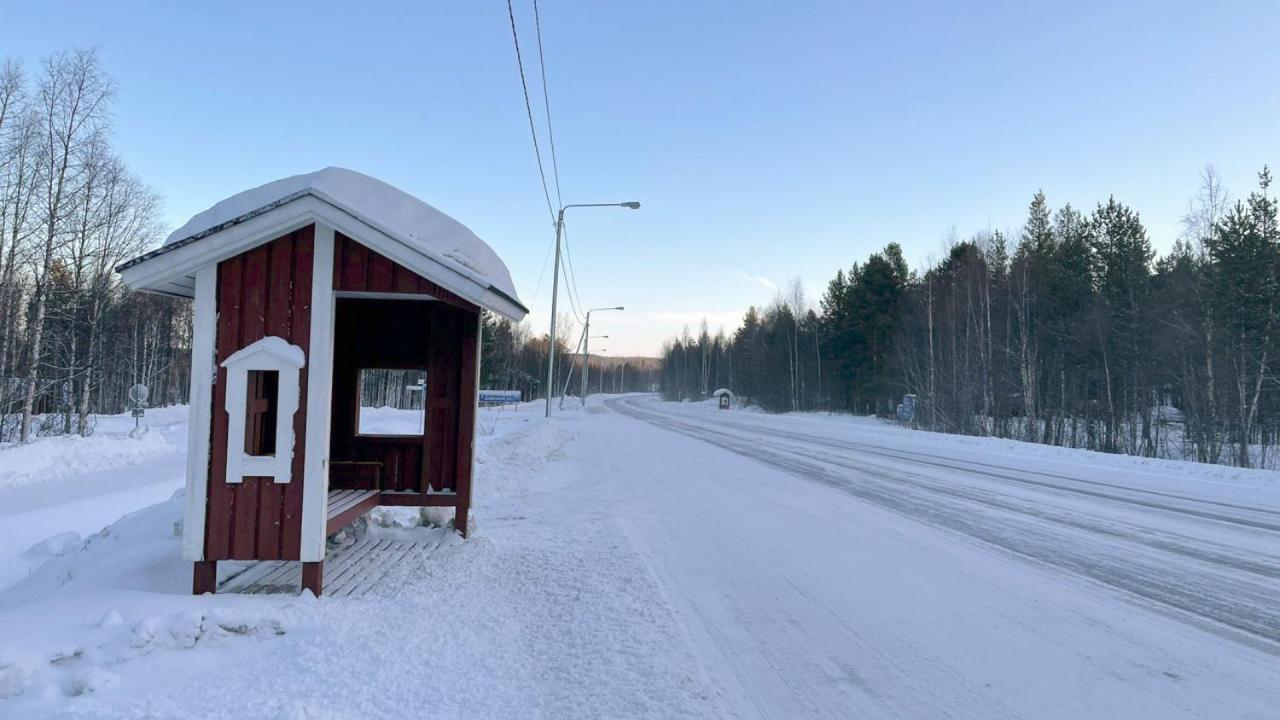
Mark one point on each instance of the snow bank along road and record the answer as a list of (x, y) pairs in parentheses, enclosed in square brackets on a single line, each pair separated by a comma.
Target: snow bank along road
[(994, 585)]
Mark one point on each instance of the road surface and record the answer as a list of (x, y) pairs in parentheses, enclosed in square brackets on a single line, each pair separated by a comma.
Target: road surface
[(828, 569)]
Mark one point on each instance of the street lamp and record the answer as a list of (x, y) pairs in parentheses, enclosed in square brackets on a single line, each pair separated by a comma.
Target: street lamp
[(602, 351), (555, 290), (586, 353)]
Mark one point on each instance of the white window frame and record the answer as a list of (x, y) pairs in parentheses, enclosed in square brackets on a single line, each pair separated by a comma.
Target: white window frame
[(271, 353)]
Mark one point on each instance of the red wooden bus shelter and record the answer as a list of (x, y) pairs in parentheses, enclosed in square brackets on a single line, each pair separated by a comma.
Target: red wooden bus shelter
[(313, 294)]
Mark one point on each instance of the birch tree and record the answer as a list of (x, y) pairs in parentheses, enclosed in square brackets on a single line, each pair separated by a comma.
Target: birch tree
[(71, 108)]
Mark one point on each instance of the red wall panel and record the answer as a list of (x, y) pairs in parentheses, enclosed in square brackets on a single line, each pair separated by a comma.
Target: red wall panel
[(263, 291), (356, 268)]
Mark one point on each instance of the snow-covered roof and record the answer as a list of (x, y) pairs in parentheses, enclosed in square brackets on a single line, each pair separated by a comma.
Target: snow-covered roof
[(723, 391), (373, 202)]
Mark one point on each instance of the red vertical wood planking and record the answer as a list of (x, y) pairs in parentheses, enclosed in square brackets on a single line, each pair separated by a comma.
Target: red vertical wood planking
[(254, 290), (264, 291), (380, 269), (245, 525), (354, 265), (357, 268), (269, 520), (405, 281), (218, 511), (450, 460), (276, 313)]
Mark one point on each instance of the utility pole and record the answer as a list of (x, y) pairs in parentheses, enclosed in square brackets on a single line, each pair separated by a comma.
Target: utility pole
[(586, 360), (555, 292), (551, 337), (569, 376), (586, 353)]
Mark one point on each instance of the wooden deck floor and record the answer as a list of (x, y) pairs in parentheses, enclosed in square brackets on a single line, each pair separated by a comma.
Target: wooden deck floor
[(351, 571)]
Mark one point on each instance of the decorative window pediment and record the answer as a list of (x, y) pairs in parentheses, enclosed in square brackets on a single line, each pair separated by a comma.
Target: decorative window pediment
[(262, 397)]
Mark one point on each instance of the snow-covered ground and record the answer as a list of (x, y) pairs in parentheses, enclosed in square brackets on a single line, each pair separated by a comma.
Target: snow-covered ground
[(649, 559), (545, 611), (390, 421), (61, 485)]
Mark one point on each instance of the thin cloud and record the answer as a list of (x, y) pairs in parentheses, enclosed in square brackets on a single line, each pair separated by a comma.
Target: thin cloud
[(760, 280)]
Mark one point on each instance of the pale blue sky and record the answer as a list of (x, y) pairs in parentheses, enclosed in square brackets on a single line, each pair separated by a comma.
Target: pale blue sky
[(766, 140)]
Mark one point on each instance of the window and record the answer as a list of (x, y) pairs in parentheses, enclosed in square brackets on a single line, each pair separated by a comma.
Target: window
[(262, 396), (392, 402), (261, 412)]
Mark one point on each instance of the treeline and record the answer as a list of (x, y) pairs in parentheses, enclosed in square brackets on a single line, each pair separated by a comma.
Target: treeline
[(614, 374), (72, 340), (1069, 332), (514, 359)]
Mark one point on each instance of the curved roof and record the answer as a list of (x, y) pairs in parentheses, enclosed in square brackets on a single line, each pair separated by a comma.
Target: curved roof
[(383, 207)]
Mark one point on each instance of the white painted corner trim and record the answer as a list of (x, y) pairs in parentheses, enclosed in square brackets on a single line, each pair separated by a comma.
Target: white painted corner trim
[(204, 325), (274, 354), (315, 473)]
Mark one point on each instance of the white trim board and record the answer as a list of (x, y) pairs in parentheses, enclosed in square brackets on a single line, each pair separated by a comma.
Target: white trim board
[(315, 467), (204, 325), (368, 295)]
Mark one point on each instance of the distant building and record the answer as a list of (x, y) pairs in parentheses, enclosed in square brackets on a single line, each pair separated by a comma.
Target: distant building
[(725, 398)]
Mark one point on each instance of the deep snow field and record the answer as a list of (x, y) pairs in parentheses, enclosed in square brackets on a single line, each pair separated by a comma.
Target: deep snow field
[(616, 569)]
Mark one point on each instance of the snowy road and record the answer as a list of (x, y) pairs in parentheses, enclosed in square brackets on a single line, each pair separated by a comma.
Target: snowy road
[(855, 573)]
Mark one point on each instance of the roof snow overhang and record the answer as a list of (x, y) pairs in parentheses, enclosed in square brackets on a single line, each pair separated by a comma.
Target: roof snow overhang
[(170, 269)]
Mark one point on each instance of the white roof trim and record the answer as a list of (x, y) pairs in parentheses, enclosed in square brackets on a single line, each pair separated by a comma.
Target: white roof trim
[(159, 270)]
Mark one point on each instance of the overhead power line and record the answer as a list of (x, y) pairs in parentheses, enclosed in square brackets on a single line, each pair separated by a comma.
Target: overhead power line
[(528, 107), (541, 273), (571, 280), (573, 303), (546, 103)]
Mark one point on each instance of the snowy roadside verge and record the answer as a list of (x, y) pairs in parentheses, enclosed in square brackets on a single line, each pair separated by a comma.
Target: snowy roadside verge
[(59, 457), (1243, 484), (46, 459), (541, 612)]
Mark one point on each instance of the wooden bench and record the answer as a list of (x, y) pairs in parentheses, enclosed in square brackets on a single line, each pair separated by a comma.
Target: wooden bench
[(346, 506)]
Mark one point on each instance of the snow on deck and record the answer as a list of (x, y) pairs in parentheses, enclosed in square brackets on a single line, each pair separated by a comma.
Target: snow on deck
[(352, 570)]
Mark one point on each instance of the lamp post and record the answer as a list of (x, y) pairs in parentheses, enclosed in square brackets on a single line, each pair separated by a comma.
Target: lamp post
[(602, 351), (555, 290), (586, 354)]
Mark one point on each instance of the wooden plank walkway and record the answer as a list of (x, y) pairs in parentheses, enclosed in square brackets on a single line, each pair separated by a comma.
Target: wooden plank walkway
[(351, 571)]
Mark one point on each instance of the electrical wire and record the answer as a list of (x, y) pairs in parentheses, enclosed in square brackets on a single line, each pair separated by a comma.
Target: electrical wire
[(528, 107), (573, 305), (570, 277), (571, 281), (546, 103), (545, 257)]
